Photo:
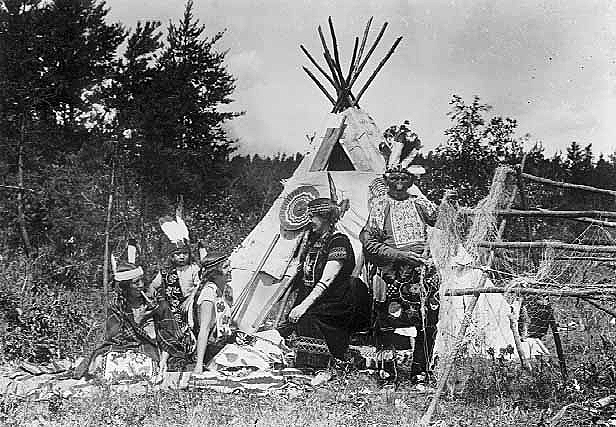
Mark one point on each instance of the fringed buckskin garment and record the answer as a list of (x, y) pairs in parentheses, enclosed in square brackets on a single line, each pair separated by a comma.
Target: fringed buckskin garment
[(339, 311)]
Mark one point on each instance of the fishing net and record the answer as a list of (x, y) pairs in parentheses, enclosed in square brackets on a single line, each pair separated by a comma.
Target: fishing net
[(531, 288)]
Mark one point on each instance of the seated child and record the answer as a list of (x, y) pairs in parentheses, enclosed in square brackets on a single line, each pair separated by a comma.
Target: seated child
[(186, 316)]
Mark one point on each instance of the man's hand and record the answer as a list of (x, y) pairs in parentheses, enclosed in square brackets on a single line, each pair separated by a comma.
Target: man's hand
[(416, 260), (297, 312), (142, 313)]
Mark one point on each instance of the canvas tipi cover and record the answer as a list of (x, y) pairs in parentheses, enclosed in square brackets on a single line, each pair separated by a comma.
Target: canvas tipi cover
[(262, 265)]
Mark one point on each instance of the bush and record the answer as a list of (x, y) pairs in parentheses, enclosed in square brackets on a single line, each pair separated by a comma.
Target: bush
[(46, 313)]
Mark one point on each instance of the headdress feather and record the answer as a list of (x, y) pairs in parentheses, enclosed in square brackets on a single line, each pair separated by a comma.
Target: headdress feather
[(175, 230)]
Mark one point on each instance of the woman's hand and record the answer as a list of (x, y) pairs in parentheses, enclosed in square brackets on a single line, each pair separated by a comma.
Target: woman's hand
[(297, 312)]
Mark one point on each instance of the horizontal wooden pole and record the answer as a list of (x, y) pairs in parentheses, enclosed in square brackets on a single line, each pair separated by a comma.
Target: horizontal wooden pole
[(548, 244), (568, 185), (596, 222), (16, 188), (546, 213), (585, 258), (532, 291)]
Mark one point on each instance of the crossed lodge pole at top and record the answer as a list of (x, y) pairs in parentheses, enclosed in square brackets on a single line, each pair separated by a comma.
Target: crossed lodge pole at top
[(343, 85)]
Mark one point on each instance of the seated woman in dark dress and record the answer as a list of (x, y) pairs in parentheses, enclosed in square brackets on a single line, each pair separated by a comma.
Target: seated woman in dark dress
[(328, 303)]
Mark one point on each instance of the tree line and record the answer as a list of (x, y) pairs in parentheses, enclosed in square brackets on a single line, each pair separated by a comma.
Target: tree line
[(83, 99)]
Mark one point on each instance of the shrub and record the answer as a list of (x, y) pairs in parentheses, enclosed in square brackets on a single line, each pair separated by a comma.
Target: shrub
[(45, 315)]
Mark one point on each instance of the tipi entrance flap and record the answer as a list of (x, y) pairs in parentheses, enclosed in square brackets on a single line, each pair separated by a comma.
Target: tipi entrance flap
[(332, 136), (351, 146)]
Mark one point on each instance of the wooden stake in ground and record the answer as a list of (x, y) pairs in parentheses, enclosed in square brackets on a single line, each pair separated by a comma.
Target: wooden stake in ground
[(107, 229), (21, 216)]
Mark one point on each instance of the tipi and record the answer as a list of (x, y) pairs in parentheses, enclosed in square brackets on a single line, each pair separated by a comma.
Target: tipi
[(346, 162)]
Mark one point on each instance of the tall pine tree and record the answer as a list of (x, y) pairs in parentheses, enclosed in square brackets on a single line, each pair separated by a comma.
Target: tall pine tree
[(172, 97)]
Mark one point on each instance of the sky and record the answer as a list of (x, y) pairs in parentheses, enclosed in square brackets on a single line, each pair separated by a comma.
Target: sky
[(551, 65)]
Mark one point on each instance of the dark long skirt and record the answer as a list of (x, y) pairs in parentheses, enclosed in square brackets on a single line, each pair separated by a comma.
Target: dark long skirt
[(342, 310)]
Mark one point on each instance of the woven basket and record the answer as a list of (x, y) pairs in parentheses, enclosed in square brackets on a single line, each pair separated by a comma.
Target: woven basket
[(311, 353)]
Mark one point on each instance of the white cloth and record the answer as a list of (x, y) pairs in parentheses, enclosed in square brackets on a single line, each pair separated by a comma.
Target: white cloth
[(532, 347)]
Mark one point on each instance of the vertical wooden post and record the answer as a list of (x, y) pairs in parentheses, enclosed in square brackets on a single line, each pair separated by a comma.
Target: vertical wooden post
[(107, 230), (21, 216), (522, 191), (553, 324), (514, 317)]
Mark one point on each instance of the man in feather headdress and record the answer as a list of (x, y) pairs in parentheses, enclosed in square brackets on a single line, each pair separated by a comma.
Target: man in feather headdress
[(129, 325), (192, 299), (404, 280)]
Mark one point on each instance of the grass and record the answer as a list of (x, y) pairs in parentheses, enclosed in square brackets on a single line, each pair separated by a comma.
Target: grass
[(498, 395), (354, 400)]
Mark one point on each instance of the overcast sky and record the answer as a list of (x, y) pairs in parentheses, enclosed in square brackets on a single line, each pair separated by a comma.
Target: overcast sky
[(549, 64)]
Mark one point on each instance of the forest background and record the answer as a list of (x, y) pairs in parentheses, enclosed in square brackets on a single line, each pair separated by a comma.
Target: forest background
[(90, 109)]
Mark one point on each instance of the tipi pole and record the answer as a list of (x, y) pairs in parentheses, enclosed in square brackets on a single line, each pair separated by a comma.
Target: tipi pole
[(361, 47), (248, 292), (284, 286), (336, 54), (378, 68), (283, 304), (328, 59), (320, 86), (352, 66), (363, 64), (316, 64)]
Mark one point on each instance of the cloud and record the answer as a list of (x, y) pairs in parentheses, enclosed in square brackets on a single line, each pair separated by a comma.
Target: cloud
[(551, 65), (247, 68)]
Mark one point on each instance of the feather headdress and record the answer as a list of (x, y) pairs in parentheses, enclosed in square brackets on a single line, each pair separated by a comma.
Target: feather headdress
[(400, 148), (176, 233), (174, 229)]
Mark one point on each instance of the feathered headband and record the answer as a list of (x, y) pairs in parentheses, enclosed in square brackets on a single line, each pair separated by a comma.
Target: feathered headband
[(400, 148), (127, 271)]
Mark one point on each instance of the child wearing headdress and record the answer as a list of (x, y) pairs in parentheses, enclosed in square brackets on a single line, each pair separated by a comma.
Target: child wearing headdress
[(187, 313)]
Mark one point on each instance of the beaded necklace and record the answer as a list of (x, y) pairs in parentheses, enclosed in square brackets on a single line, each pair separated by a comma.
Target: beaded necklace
[(320, 244)]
